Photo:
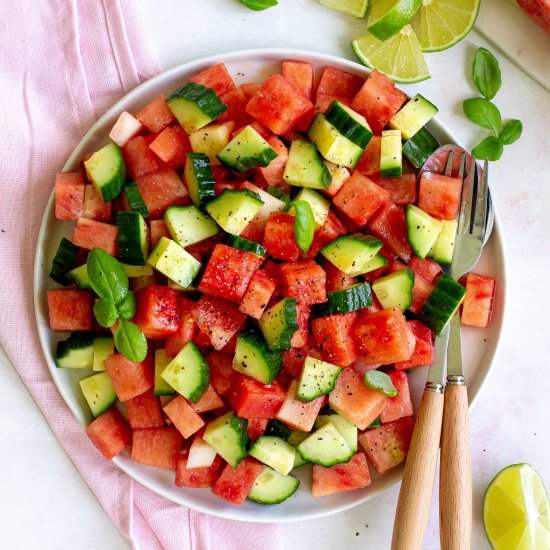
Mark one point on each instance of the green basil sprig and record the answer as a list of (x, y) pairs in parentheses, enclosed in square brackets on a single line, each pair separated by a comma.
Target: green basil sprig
[(304, 224), (486, 73), (130, 341), (105, 312), (259, 5), (107, 276), (380, 381)]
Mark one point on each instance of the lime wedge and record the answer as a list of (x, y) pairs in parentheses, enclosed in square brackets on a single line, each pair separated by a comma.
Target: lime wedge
[(440, 24), (388, 17), (358, 8), (516, 513), (400, 57)]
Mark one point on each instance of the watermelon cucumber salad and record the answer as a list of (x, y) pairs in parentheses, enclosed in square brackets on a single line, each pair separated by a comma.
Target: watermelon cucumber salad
[(253, 271)]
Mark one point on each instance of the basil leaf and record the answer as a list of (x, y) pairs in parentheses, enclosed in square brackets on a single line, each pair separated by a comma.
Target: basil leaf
[(484, 113), (127, 308), (105, 312), (511, 132), (259, 5), (107, 277), (278, 193), (380, 381), (131, 342), (491, 147), (304, 224), (486, 73)]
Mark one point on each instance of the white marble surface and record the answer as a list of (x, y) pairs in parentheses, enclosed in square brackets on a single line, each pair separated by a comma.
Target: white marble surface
[(43, 501)]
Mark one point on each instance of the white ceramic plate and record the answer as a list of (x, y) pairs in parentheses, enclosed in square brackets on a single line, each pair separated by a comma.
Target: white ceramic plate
[(479, 345)]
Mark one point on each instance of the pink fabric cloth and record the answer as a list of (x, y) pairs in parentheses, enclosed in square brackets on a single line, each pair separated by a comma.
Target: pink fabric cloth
[(62, 63)]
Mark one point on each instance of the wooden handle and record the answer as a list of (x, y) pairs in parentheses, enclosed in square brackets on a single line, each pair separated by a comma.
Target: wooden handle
[(455, 482), (415, 496)]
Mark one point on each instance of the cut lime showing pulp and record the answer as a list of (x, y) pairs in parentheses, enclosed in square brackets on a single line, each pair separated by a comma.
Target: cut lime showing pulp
[(516, 513), (440, 24), (388, 17), (400, 57), (358, 8)]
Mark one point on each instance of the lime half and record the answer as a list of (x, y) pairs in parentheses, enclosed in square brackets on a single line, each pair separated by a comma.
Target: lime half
[(440, 24), (516, 513), (388, 17), (358, 8), (400, 57)]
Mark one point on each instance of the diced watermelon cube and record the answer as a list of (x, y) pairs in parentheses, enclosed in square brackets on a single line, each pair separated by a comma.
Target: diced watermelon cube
[(257, 295), (422, 288), (427, 268), (423, 353), (252, 399), (332, 229), (210, 401), (69, 195), (402, 190), (158, 447), (161, 190), (235, 100), (369, 163), (299, 338), (222, 374), (184, 418), (156, 115), (388, 445), (92, 234), (169, 143), (144, 411), (256, 427), (336, 279), (234, 484), (198, 478), (354, 401), (157, 312), (304, 280), (300, 74), (477, 306), (139, 159), (272, 174), (129, 379), (205, 248), (94, 206), (187, 328), (400, 405), (293, 359), (439, 196), (110, 433), (158, 229), (341, 477), (333, 335), (70, 309), (216, 77), (295, 413), (125, 128), (336, 84), (279, 237), (250, 89)]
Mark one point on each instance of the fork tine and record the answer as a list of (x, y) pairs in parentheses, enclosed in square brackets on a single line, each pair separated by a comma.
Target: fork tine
[(462, 167), (449, 164), (464, 216), (481, 203)]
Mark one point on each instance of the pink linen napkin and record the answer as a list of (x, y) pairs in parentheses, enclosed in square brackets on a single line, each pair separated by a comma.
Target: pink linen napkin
[(62, 63)]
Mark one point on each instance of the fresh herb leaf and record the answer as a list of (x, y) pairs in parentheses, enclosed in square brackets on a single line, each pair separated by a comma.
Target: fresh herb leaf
[(107, 277), (511, 131), (105, 312), (486, 73), (259, 5), (380, 381), (127, 308), (278, 193), (304, 225), (375, 423), (484, 113), (131, 342), (491, 148)]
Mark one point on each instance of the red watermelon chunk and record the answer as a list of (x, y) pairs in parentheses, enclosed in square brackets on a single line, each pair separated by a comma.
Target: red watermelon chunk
[(158, 447), (333, 335), (92, 234), (139, 159), (279, 237), (234, 484), (252, 399), (222, 374), (187, 328), (422, 288), (70, 309), (299, 415), (144, 411), (129, 379), (400, 405), (299, 338), (333, 228), (300, 74), (257, 295), (206, 247), (156, 115), (184, 418), (158, 229), (110, 433), (272, 174), (293, 359), (423, 353), (169, 144), (336, 84), (256, 427), (388, 445), (198, 478), (341, 477), (235, 100), (304, 280), (216, 77), (69, 195), (161, 190), (427, 268), (369, 163), (157, 312), (402, 190), (336, 279), (439, 196), (94, 206), (250, 89), (477, 306), (210, 401)]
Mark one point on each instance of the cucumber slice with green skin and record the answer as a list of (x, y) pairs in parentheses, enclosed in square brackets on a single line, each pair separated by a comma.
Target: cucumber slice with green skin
[(63, 261), (274, 452), (317, 378), (247, 150), (279, 323), (80, 276), (422, 230), (319, 205), (99, 392), (395, 290), (77, 352), (295, 438), (391, 157), (419, 148), (133, 238), (106, 170), (443, 248), (305, 167), (272, 487), (104, 345), (234, 209), (342, 301), (210, 140), (227, 434), (246, 245), (134, 199), (347, 430), (138, 270), (253, 358), (325, 446), (349, 123), (170, 259), (376, 263), (199, 178), (195, 106), (278, 429), (413, 116), (189, 225), (332, 144), (352, 253), (161, 362), (442, 304), (188, 373)]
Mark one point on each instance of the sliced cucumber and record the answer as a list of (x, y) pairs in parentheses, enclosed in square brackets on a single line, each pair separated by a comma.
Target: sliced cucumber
[(188, 373), (347, 430), (352, 253), (305, 167), (211, 139), (106, 170), (133, 271), (246, 245), (63, 261), (80, 276), (422, 229), (279, 323), (419, 148), (325, 446), (391, 161), (278, 429), (227, 434), (295, 438), (255, 359), (443, 248), (199, 178), (161, 362), (342, 301), (104, 345), (189, 225), (319, 205), (234, 209), (395, 290), (317, 378), (77, 352), (413, 116), (133, 238), (170, 259), (134, 199), (272, 487), (99, 392), (375, 423), (376, 263), (349, 123), (274, 452)]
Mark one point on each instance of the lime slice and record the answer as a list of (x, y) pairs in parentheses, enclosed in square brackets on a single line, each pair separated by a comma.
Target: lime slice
[(388, 17), (400, 57), (516, 513), (442, 23), (358, 8)]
